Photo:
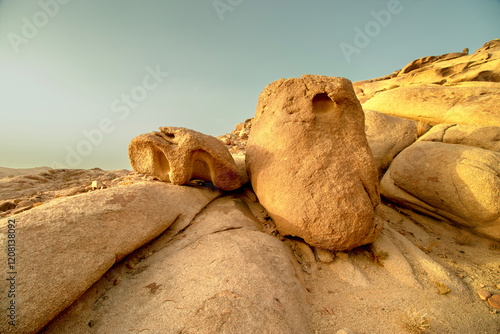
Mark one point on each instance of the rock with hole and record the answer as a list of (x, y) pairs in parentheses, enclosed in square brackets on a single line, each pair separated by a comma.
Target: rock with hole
[(178, 155), (310, 164)]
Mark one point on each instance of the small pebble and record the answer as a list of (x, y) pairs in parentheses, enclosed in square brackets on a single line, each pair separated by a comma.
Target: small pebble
[(7, 205), (345, 331), (96, 185), (323, 255), (24, 203), (116, 282), (494, 301), (483, 294)]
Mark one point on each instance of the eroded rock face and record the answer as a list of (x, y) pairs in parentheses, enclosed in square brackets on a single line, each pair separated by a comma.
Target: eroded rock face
[(458, 182), (466, 103), (452, 88), (66, 245), (444, 70), (178, 155), (310, 164), (487, 137)]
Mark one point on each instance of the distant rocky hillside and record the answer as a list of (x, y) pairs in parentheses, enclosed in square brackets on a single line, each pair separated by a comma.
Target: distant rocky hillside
[(21, 171), (365, 207)]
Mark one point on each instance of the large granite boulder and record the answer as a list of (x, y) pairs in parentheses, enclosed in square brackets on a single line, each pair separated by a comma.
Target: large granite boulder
[(389, 135), (178, 155), (220, 274), (310, 164), (441, 175), (66, 245)]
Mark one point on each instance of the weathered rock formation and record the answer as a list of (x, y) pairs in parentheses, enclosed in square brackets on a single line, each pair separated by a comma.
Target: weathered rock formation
[(52, 183), (442, 70), (178, 155), (310, 165), (219, 275), (389, 135), (447, 177), (205, 262), (487, 137), (236, 141), (466, 103), (66, 245)]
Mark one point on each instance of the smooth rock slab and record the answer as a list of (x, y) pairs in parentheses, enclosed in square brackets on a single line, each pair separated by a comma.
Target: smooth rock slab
[(219, 275), (310, 164), (178, 155), (464, 103), (64, 246), (389, 135), (487, 137), (457, 182)]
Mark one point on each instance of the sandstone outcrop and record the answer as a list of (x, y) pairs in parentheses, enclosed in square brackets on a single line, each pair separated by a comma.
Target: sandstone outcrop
[(458, 182), (389, 135), (67, 244), (449, 69), (219, 275), (218, 264), (466, 103), (236, 141), (178, 155), (310, 164), (453, 88)]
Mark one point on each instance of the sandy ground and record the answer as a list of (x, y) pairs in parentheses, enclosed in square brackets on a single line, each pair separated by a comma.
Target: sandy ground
[(367, 298)]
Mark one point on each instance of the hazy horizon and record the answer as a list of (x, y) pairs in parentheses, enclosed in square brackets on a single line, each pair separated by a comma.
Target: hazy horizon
[(81, 79)]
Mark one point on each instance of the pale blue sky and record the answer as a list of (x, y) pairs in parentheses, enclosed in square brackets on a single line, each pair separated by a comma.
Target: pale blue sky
[(67, 66)]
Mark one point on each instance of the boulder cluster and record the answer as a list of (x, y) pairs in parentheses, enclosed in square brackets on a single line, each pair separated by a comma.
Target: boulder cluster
[(439, 116), (257, 230)]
